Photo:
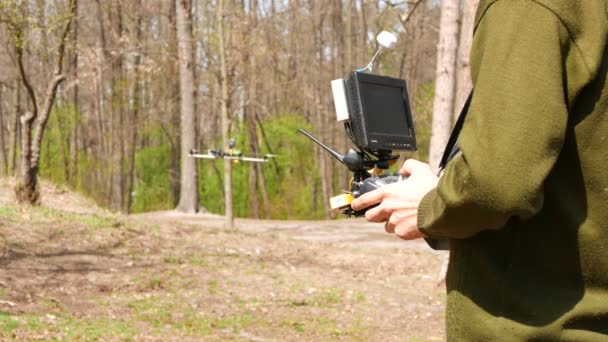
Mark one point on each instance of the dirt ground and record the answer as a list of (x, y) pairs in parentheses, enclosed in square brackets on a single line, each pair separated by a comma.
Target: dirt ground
[(72, 271)]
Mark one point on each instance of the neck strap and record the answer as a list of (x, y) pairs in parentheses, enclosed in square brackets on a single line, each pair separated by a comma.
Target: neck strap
[(451, 148)]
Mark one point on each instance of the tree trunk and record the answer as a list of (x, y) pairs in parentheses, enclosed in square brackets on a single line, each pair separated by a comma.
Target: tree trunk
[(188, 199), (319, 45), (249, 107), (463, 77), (117, 183), (27, 190), (101, 53), (136, 108), (64, 145), (254, 203), (3, 151), (228, 206), (171, 92), (363, 54), (16, 137), (73, 165), (443, 104), (260, 171)]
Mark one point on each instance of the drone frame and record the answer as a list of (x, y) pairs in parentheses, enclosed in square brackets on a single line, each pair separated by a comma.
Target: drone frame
[(237, 157)]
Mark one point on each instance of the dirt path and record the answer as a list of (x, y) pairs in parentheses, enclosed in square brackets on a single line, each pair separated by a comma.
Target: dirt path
[(351, 231), (72, 271)]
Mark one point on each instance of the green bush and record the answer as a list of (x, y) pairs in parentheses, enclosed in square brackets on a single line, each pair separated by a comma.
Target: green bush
[(152, 186)]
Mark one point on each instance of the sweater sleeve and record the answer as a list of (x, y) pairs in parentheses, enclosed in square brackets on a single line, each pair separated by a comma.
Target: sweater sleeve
[(515, 127)]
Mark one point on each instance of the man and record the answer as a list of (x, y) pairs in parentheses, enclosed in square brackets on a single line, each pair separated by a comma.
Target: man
[(525, 203)]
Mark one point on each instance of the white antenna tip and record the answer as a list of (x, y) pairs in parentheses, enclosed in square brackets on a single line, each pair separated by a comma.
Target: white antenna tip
[(386, 39)]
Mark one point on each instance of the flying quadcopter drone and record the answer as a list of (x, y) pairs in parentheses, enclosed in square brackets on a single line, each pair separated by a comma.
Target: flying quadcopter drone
[(232, 154)]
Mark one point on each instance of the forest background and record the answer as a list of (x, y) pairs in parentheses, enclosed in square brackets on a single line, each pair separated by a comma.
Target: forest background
[(127, 82)]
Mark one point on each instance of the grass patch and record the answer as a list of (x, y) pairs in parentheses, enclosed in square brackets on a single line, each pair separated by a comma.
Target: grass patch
[(333, 328), (213, 287), (34, 323), (152, 311), (322, 324), (98, 222), (173, 260), (155, 283), (9, 211), (359, 297), (45, 214), (236, 322), (48, 303), (174, 312), (197, 261), (330, 297), (95, 329), (162, 315), (90, 220), (297, 326), (7, 324)]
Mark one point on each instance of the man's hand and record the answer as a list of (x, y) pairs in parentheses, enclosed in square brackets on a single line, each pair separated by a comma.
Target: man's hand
[(398, 202)]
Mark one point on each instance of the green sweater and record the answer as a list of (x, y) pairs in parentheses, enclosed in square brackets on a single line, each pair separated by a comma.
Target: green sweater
[(526, 203)]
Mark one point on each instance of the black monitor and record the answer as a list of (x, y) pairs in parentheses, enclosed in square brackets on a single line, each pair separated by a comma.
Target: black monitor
[(380, 116)]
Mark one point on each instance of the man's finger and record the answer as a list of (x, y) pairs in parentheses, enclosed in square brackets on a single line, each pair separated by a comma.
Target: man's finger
[(377, 214), (412, 165), (368, 199), (389, 227)]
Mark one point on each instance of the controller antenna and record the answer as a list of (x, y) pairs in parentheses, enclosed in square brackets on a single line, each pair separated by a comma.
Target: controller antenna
[(353, 160)]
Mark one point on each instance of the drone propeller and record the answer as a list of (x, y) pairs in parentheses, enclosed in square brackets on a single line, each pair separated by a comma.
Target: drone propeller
[(235, 156)]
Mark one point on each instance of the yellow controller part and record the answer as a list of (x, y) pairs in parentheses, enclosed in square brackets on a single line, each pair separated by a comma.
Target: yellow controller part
[(340, 202)]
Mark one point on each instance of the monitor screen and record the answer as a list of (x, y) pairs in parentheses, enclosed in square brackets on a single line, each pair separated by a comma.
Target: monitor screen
[(385, 109), (380, 117)]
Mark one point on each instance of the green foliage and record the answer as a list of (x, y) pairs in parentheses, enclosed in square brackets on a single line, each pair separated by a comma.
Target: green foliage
[(211, 188), (56, 158), (55, 152), (422, 107), (290, 178), (12, 15), (152, 188), (296, 174), (211, 179)]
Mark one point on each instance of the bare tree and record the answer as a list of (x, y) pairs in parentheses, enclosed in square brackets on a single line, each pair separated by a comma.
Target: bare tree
[(73, 165), (463, 78), (2, 140), (16, 131), (136, 101), (188, 197), (224, 99), (463, 75), (34, 121), (116, 193), (443, 104)]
